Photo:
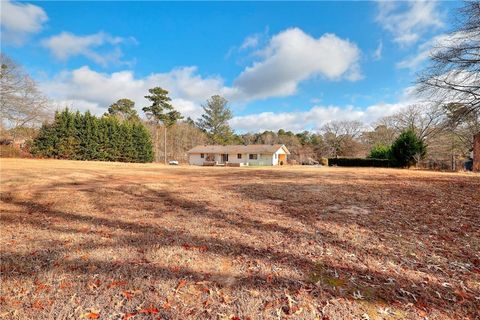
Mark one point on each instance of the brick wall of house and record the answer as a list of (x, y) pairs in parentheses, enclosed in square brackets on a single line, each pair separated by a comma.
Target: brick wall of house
[(476, 153)]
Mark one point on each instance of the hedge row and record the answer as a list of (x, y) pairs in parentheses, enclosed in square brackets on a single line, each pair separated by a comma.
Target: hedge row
[(361, 162), (78, 136)]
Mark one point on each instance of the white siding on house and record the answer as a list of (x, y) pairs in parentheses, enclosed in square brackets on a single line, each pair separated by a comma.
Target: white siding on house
[(263, 159), (194, 159), (233, 158), (275, 156)]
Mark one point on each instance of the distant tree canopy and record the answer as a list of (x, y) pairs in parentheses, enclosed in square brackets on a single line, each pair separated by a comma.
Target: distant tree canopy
[(124, 109), (341, 137), (77, 136), (215, 119)]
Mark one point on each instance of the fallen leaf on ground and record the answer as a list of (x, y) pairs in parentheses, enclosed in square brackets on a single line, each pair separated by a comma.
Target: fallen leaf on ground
[(150, 310), (91, 315)]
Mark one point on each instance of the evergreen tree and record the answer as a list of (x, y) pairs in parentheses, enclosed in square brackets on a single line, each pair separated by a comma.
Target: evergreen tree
[(68, 144), (215, 120), (124, 109), (45, 142), (408, 149), (85, 137), (90, 142), (143, 143), (114, 143), (162, 111)]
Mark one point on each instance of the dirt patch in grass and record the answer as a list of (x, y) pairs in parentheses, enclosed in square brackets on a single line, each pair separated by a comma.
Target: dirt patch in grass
[(130, 241)]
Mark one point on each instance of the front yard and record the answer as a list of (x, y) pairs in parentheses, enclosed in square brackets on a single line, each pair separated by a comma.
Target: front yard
[(129, 241)]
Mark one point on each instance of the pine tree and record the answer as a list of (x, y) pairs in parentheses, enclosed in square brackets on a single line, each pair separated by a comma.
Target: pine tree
[(215, 120), (124, 109), (162, 111)]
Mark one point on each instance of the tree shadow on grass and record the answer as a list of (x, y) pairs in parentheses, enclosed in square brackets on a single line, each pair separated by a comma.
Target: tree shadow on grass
[(317, 274)]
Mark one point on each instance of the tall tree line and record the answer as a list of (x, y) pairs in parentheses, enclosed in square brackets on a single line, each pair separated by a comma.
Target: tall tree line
[(82, 136)]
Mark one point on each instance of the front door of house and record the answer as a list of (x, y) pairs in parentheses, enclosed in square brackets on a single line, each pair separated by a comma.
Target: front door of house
[(224, 157)]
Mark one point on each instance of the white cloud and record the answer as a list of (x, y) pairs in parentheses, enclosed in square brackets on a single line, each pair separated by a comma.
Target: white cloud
[(293, 56), (408, 21), (424, 50), (290, 57), (377, 55), (250, 42), (86, 89), (78, 104), (19, 20), (65, 45), (313, 118)]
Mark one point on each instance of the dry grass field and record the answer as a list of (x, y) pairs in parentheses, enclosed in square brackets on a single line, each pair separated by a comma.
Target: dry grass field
[(130, 241)]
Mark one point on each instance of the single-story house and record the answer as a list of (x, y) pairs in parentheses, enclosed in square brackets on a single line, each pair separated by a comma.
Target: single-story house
[(239, 155)]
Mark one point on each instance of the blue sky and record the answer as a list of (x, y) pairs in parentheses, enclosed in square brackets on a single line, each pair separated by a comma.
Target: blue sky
[(281, 65)]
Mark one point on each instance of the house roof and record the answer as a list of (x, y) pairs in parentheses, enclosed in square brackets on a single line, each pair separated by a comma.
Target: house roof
[(251, 148)]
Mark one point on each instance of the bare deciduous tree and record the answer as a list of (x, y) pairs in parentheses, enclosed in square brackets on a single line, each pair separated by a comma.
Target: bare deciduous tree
[(382, 135), (21, 102), (454, 71), (182, 137), (340, 136), (426, 120)]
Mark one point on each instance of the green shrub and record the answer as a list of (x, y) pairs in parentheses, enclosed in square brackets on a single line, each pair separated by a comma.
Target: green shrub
[(408, 149), (380, 152), (361, 162), (324, 161)]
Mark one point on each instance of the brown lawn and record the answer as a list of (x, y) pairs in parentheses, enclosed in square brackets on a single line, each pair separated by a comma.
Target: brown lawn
[(130, 241)]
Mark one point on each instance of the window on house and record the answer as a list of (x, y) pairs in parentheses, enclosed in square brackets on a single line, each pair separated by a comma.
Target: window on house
[(239, 156), (252, 156), (202, 155)]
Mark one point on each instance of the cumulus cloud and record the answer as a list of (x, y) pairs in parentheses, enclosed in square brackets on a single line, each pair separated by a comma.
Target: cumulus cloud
[(293, 56), (19, 20), (313, 118), (86, 89), (66, 45), (408, 21), (290, 57)]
